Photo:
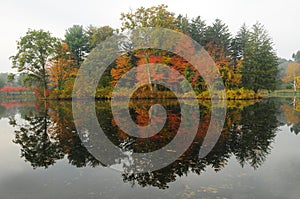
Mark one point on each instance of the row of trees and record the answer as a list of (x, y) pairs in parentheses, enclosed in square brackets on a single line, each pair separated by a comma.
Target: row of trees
[(47, 61), (246, 59)]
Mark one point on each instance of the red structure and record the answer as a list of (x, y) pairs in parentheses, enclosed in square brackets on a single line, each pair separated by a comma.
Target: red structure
[(10, 89)]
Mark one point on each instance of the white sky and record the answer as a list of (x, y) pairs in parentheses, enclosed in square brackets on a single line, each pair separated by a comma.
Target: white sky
[(281, 18)]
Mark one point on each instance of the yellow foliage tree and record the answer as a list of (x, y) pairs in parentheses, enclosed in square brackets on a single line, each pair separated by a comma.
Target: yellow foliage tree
[(292, 70)]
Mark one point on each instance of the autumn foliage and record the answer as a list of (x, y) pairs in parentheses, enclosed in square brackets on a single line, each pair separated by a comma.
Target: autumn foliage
[(10, 89), (61, 70), (239, 66)]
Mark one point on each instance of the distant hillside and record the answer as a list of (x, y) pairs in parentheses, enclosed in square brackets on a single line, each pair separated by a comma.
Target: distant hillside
[(282, 67)]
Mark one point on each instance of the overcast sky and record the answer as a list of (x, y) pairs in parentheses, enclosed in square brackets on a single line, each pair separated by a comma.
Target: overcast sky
[(280, 18)]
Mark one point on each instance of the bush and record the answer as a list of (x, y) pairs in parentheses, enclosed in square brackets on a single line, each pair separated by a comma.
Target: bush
[(242, 94), (233, 94)]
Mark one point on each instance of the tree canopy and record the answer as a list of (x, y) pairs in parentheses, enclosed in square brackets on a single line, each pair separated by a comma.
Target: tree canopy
[(78, 41), (34, 50), (260, 61), (245, 60)]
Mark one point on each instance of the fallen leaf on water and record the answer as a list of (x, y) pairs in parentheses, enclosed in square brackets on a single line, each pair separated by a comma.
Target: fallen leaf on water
[(172, 151)]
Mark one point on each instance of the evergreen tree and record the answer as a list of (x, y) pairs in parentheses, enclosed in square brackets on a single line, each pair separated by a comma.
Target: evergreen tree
[(238, 45), (260, 61), (77, 40), (218, 36), (197, 30), (296, 56), (183, 24)]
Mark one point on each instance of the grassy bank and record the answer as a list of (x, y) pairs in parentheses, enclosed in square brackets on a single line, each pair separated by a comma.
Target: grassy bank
[(285, 93), (236, 94)]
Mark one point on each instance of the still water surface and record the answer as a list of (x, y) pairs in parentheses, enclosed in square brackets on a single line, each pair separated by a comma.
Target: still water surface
[(257, 154)]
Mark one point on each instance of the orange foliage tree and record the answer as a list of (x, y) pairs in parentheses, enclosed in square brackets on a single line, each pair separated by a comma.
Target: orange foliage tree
[(123, 64), (61, 70), (229, 72)]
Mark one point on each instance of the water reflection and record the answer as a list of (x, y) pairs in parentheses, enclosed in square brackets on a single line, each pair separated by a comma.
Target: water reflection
[(291, 108), (46, 134)]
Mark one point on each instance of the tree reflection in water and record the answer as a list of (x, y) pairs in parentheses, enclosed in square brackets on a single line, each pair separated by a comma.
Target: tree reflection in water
[(47, 134), (291, 110)]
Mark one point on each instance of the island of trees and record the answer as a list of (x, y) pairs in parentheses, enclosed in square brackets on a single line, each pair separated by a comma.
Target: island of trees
[(247, 60)]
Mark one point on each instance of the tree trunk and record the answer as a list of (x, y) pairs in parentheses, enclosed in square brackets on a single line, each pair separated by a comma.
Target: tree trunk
[(45, 82), (148, 70), (45, 89), (295, 84)]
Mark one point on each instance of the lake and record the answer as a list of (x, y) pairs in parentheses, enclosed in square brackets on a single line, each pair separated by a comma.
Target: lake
[(257, 154)]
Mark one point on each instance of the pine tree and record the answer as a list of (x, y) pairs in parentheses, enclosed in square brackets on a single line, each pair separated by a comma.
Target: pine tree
[(238, 45), (218, 36), (259, 67)]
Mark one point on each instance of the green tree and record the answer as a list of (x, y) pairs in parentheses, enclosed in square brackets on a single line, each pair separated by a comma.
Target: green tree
[(217, 36), (78, 41), (183, 24), (2, 83), (35, 50), (296, 56), (97, 35), (242, 38), (259, 67), (20, 80), (197, 30), (238, 45), (11, 78), (156, 16)]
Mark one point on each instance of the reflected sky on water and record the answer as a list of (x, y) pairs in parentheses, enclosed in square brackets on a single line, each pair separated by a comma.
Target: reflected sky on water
[(257, 155)]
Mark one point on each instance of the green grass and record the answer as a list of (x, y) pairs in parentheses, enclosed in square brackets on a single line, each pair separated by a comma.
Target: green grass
[(285, 93)]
